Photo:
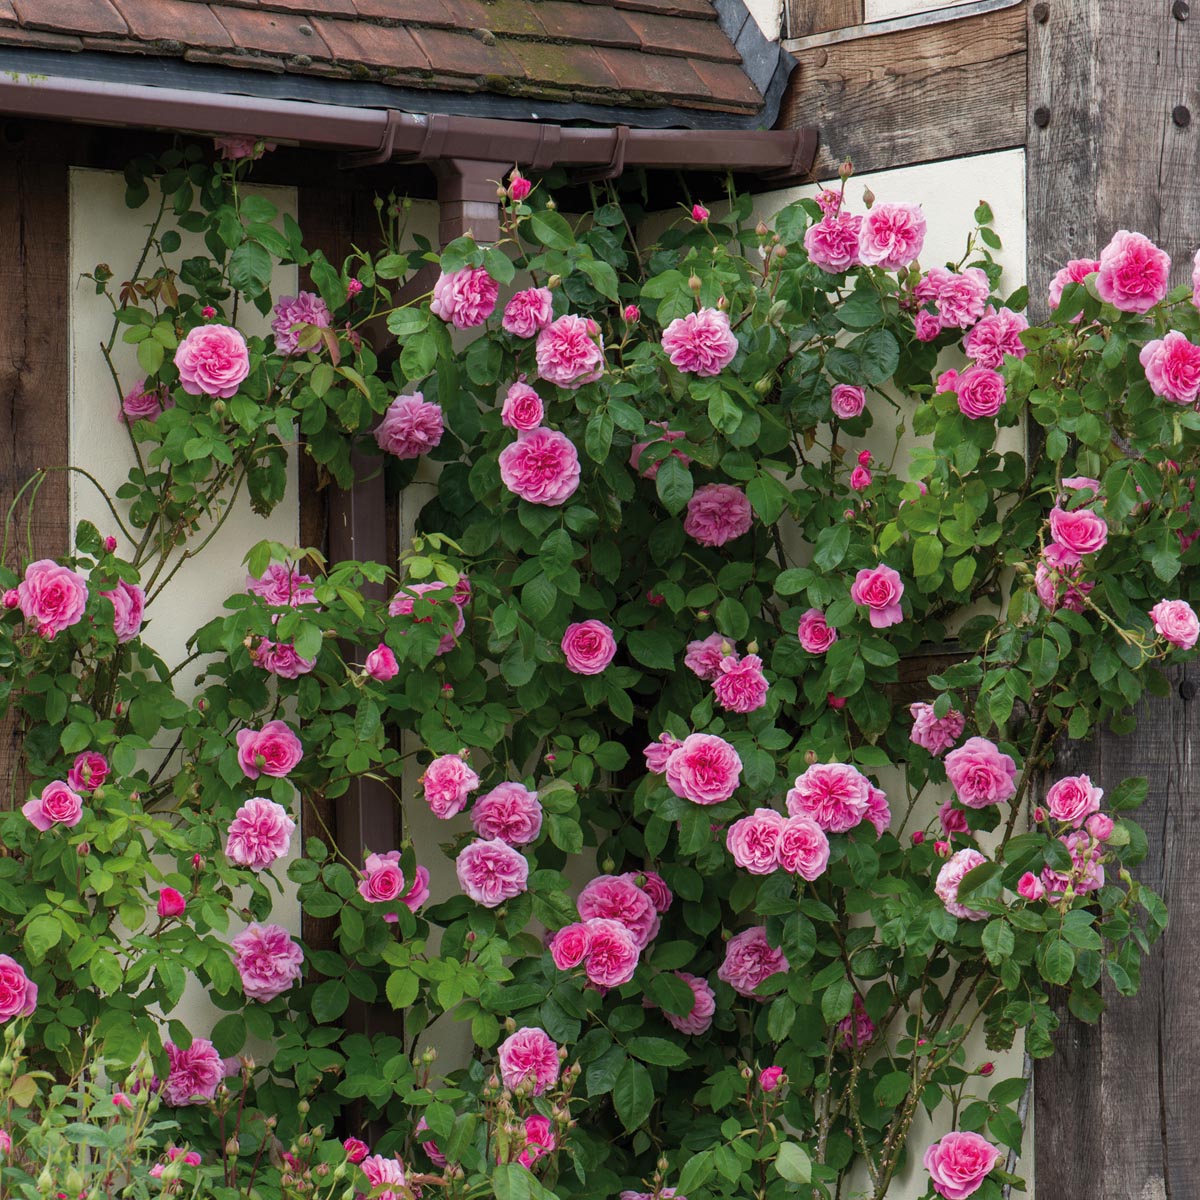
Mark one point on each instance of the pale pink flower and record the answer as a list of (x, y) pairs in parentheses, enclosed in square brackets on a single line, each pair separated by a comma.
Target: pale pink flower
[(528, 1056), (412, 426), (892, 235), (1172, 366), (815, 635), (528, 312), (1057, 579), (949, 878), (829, 200), (981, 774), (704, 657), (588, 646), (879, 812), (282, 586), (268, 961), (933, 733), (541, 466), (510, 812), (997, 334), (1073, 799), (981, 392), (280, 658), (1134, 273), (699, 1019), (926, 326), (292, 313), (618, 898), (953, 820), (1079, 483), (1079, 531), (57, 805), (418, 891), (491, 871), (1030, 887), (959, 1163), (835, 795), (947, 381), (701, 343), (1076, 271), (18, 993), (717, 513), (832, 243), (803, 848), (961, 297), (704, 769), (277, 746), (260, 833), (741, 686), (613, 953), (382, 879), (1177, 622), (639, 448), (129, 606), (570, 352), (1100, 826), (753, 841), (847, 401), (464, 298), (141, 405), (448, 782), (522, 409), (1087, 871), (658, 753), (879, 590), (194, 1073), (212, 361), (88, 772), (569, 946), (385, 1173), (750, 960), (51, 597), (381, 664)]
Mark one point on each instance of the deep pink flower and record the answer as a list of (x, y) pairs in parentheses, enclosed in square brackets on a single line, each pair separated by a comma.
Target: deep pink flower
[(704, 657), (588, 647), (926, 326), (699, 1019), (528, 312), (429, 1145), (655, 887), (194, 1074), (569, 946), (997, 334), (860, 479), (448, 782), (961, 297), (981, 392), (879, 813), (815, 635), (892, 235), (282, 586), (613, 953), (1073, 799), (528, 1056), (403, 603), (569, 353), (18, 993), (171, 903), (412, 426), (639, 448), (522, 409), (237, 146), (1172, 365), (699, 213), (356, 1150), (268, 961), (277, 746), (847, 401), (464, 298), (539, 1139), (518, 186), (129, 606), (491, 871), (959, 1163), (741, 686), (981, 774), (418, 891), (857, 1028), (879, 590), (381, 663), (832, 243), (1134, 273), (88, 772), (701, 343), (934, 733), (1030, 887), (803, 848), (949, 878), (292, 313), (141, 405), (212, 361), (260, 833), (835, 795), (1076, 271), (749, 960), (1177, 622), (1057, 579), (382, 879), (57, 805), (51, 597), (632, 314), (510, 812), (541, 466), (717, 513), (618, 898), (953, 820), (704, 769), (659, 753), (770, 1078), (1079, 531), (753, 841)]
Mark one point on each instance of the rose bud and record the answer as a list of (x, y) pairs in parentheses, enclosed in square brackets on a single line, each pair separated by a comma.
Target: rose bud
[(632, 314), (918, 837), (1039, 814), (1100, 826), (110, 543), (941, 849), (835, 701), (987, 1069), (11, 599), (171, 903), (699, 213)]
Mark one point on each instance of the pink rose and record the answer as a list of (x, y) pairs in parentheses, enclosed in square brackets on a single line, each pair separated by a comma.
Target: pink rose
[(528, 312), (1172, 366), (510, 812), (529, 1055), (539, 1140), (1073, 799), (418, 891), (704, 769), (1057, 579), (292, 314), (879, 813), (632, 314), (951, 875), (981, 392), (639, 448), (860, 479), (1175, 621), (750, 960), (659, 753), (282, 586), (381, 664), (717, 513), (51, 597), (934, 733), (171, 903), (704, 657), (194, 1074), (1030, 887), (541, 466), (655, 887), (88, 772), (835, 795), (958, 1164), (701, 343), (235, 147), (568, 353), (428, 1144), (280, 658), (700, 1017), (1087, 871), (832, 243), (1079, 531), (141, 405), (129, 605), (570, 945), (947, 381), (384, 1172), (403, 604), (1076, 271), (18, 993), (412, 426), (613, 953), (961, 297), (518, 186), (1134, 273), (382, 880), (275, 744), (491, 872), (815, 635), (618, 898), (879, 590), (753, 841), (356, 1149), (953, 820), (926, 326), (57, 805), (1100, 826), (892, 235), (464, 298), (589, 646), (522, 409), (448, 782), (741, 686), (980, 774), (997, 334), (803, 848), (770, 1078), (847, 401), (260, 833), (268, 961), (857, 1029), (699, 213), (212, 361)]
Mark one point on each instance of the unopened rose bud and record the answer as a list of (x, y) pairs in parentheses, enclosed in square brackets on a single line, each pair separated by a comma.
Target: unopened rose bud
[(201, 705), (554, 281), (501, 192), (845, 170), (864, 458), (110, 543), (1039, 814), (764, 385), (219, 407), (196, 861), (987, 1069), (922, 1042), (608, 866), (549, 758), (510, 1026), (519, 187), (632, 314), (835, 701), (353, 287), (868, 197), (11, 599), (702, 614), (746, 1073), (699, 213), (918, 837), (752, 646), (941, 849), (761, 229), (470, 937), (810, 758), (208, 312), (233, 1147), (849, 514), (694, 282), (722, 303), (551, 205), (83, 849)]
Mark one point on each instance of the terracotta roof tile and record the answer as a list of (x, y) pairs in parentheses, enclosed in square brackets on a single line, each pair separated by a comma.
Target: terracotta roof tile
[(462, 54), (8, 14), (175, 21), (687, 39), (633, 70), (70, 16), (270, 32), (586, 23), (565, 66), (372, 45)]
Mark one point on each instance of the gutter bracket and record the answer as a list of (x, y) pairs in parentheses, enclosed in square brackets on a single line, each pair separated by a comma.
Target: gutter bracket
[(616, 162), (804, 153), (385, 150)]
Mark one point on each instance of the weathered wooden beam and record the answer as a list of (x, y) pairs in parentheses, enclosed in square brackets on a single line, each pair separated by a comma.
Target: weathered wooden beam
[(815, 16)]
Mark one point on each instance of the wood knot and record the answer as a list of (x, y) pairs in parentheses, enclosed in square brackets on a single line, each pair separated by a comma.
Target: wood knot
[(1180, 10), (1181, 115), (1041, 116)]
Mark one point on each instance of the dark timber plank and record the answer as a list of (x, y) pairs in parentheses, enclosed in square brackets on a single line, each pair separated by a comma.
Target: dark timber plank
[(817, 16)]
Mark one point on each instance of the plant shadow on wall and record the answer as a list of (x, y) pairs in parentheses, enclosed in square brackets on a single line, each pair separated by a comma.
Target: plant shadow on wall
[(650, 526)]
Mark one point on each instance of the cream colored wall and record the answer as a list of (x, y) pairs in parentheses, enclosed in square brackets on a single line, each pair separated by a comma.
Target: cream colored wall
[(768, 14), (881, 10)]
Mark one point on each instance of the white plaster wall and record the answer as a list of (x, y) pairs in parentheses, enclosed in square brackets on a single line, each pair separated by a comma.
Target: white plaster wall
[(769, 16), (882, 10)]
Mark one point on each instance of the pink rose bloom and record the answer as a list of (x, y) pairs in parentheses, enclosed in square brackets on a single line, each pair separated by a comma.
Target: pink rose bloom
[(847, 401), (1079, 483), (749, 960), (926, 326), (832, 243), (613, 953), (356, 1149), (632, 314), (934, 733), (803, 848), (958, 1164), (702, 342), (1076, 271), (981, 392), (1172, 366), (879, 590), (568, 353), (57, 805), (770, 1078), (522, 409), (699, 1019), (953, 820), (1074, 799), (235, 147), (171, 903), (528, 312), (569, 946), (381, 664), (260, 833), (529, 1055), (1134, 273), (659, 753), (835, 795), (5, 1142), (280, 658), (654, 886), (418, 891), (404, 601), (268, 961), (704, 769), (1079, 531), (194, 1074), (541, 466), (384, 1172), (717, 513), (892, 235), (1030, 887), (704, 657), (293, 312), (589, 646), (491, 871), (860, 479), (618, 898), (411, 427), (997, 334), (539, 1140), (382, 880), (51, 597), (510, 812), (879, 813), (464, 298), (639, 448), (275, 744), (518, 186), (448, 782), (951, 875), (129, 605), (18, 993), (961, 298), (1175, 621), (212, 361), (282, 586), (88, 772), (980, 774), (947, 381), (753, 841), (829, 200), (1087, 872), (428, 1145), (857, 1029), (741, 686), (1100, 826), (815, 635), (1057, 579), (141, 405)]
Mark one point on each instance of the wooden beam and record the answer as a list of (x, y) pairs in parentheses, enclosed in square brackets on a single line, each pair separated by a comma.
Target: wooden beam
[(915, 95), (805, 17)]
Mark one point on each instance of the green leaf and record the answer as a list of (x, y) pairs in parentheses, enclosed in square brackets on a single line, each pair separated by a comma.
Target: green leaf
[(674, 484), (1057, 961), (250, 268), (330, 1000), (998, 940), (793, 1163), (832, 544), (404, 322), (633, 1094), (598, 436), (927, 555), (650, 649), (42, 934), (880, 354), (658, 1051), (836, 1001), (551, 229)]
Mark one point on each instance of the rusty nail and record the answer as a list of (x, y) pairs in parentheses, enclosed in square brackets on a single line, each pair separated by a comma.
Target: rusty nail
[(1181, 115), (1041, 117), (1041, 13), (1187, 689), (1180, 10), (820, 58)]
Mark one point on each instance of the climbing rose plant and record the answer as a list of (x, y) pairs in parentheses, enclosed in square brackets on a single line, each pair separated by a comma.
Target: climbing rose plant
[(720, 902)]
